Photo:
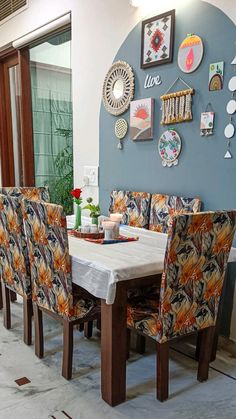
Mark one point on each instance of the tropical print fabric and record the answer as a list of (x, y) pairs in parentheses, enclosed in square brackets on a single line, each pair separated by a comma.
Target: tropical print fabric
[(195, 263), (14, 262), (32, 193), (45, 226), (164, 207), (134, 206)]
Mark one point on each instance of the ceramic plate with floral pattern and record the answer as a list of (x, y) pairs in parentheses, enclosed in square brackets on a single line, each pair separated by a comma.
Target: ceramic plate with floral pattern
[(169, 147)]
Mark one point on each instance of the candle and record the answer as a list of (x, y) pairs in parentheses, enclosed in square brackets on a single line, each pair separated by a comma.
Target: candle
[(116, 217), (108, 229)]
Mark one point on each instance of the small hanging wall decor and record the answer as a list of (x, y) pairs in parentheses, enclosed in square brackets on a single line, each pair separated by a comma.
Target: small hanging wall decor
[(177, 106), (169, 147), (207, 121), (141, 119), (121, 128), (190, 53), (216, 74)]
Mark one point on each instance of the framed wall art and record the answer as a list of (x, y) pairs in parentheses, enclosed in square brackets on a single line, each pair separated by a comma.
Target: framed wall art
[(141, 119), (216, 74), (157, 40)]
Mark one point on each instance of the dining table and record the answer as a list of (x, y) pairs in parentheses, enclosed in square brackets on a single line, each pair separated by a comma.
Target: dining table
[(107, 272)]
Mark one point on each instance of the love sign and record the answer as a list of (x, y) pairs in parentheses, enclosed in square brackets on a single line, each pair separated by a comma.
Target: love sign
[(151, 81)]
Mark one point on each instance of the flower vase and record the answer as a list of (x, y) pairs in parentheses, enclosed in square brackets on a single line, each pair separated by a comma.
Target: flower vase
[(77, 217), (94, 220)]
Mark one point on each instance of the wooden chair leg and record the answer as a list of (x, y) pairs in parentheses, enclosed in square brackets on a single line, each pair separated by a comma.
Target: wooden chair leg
[(207, 337), (162, 371), (98, 324), (88, 329), (6, 306), (1, 303), (128, 332), (13, 296), (80, 327), (67, 350), (27, 316), (38, 327), (140, 344)]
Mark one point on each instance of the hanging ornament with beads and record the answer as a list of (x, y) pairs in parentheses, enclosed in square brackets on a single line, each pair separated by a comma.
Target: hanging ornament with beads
[(121, 128), (177, 106), (207, 121)]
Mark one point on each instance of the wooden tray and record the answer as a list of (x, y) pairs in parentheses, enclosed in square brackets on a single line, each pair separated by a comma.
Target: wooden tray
[(80, 235)]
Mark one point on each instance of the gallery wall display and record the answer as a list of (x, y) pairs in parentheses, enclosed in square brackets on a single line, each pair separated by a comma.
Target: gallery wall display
[(169, 147), (190, 53), (216, 74), (141, 119), (157, 39), (118, 88)]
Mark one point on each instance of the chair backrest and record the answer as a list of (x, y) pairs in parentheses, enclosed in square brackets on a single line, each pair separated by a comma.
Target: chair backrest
[(14, 261), (134, 206), (195, 263), (45, 227), (30, 192), (164, 207)]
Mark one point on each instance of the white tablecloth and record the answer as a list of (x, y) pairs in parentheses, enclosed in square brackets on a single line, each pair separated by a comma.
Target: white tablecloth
[(98, 268)]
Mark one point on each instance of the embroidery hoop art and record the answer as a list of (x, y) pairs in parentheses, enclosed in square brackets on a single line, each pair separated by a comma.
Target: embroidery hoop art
[(169, 144), (190, 53)]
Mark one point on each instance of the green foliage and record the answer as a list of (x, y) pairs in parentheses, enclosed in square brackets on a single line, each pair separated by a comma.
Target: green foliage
[(61, 186), (95, 210)]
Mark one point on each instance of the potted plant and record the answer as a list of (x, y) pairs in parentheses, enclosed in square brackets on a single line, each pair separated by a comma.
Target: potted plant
[(94, 210)]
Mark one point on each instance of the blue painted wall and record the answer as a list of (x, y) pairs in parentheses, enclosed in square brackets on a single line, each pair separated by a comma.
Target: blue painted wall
[(202, 169)]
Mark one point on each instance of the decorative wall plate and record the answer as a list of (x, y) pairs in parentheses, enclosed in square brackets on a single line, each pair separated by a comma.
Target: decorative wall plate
[(169, 147), (231, 107), (118, 88), (190, 53), (229, 131), (232, 84)]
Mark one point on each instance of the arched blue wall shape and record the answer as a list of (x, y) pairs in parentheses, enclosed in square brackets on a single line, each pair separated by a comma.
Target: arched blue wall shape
[(202, 169)]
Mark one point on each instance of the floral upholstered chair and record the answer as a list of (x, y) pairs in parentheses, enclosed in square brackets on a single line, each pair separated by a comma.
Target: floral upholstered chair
[(52, 293), (14, 261), (134, 206), (195, 263), (30, 192), (164, 207)]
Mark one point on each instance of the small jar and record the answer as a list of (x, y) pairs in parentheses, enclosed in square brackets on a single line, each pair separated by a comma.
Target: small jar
[(93, 228)]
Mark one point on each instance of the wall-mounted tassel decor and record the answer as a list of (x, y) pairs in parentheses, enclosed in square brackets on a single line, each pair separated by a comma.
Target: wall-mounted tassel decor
[(177, 106)]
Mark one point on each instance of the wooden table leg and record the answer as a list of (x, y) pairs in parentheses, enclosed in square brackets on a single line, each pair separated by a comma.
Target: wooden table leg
[(113, 348)]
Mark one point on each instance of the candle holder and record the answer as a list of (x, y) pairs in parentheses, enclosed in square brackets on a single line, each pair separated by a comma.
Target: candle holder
[(116, 218)]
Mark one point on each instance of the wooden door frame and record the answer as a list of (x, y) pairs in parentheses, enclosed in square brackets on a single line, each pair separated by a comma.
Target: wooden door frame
[(8, 58)]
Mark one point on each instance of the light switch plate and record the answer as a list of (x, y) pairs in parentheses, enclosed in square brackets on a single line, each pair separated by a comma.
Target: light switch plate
[(91, 173)]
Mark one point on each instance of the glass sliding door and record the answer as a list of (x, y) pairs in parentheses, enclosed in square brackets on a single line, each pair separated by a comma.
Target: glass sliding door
[(50, 68)]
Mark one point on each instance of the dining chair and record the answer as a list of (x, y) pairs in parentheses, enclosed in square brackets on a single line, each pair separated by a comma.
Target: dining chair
[(164, 207), (134, 206), (52, 290), (14, 261), (195, 263)]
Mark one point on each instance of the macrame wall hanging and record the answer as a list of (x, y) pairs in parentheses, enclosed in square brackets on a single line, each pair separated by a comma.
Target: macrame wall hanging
[(177, 106)]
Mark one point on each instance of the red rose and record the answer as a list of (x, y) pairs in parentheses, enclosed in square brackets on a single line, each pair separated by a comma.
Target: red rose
[(76, 193)]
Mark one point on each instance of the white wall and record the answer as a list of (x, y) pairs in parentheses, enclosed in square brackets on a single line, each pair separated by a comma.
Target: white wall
[(98, 29)]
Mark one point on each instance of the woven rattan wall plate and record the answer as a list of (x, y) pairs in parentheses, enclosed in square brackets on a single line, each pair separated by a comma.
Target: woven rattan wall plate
[(118, 88)]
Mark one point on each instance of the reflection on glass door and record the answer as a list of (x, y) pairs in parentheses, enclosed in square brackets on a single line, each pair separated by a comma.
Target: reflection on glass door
[(52, 117), (15, 121)]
